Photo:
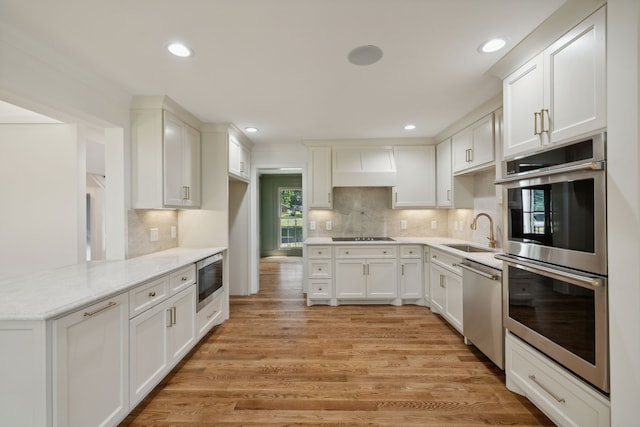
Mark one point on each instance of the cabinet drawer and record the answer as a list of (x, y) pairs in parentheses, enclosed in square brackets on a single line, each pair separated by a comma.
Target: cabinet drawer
[(182, 278), (446, 260), (560, 395), (320, 289), (410, 252), (210, 315), (319, 268), (321, 252), (146, 296), (387, 251)]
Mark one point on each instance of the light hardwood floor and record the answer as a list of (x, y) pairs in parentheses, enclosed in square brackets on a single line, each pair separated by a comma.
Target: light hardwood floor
[(277, 362)]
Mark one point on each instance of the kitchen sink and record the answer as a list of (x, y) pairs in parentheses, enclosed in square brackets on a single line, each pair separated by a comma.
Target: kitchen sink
[(363, 239), (468, 248)]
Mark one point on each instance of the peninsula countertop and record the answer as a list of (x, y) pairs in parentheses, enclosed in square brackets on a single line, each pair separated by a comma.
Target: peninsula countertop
[(52, 293), (486, 258)]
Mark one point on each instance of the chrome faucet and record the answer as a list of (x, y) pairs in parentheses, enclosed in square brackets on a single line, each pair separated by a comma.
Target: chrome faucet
[(474, 225)]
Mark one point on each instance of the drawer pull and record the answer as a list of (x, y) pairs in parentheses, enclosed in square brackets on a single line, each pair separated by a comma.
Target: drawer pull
[(347, 252), (319, 252), (212, 314), (91, 313), (184, 279), (384, 252), (549, 392), (434, 257), (453, 264), (319, 268), (319, 289), (152, 294)]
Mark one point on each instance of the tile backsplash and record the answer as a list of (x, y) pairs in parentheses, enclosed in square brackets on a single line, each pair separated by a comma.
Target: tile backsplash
[(366, 211), (141, 221)]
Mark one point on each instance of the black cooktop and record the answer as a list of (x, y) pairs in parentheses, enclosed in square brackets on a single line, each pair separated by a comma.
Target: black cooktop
[(362, 239)]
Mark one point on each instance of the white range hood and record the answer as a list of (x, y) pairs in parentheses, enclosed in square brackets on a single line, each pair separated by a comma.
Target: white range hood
[(363, 167)]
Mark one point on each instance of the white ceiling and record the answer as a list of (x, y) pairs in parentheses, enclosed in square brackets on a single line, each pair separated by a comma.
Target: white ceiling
[(281, 65)]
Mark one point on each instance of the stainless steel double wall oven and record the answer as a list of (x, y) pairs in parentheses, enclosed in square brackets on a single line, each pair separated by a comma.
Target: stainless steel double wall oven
[(555, 276)]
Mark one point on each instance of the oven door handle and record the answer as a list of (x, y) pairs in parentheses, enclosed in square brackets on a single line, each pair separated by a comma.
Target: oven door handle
[(553, 272), (595, 166)]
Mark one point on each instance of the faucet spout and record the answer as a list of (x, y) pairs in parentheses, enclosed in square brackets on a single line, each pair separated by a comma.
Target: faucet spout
[(474, 226)]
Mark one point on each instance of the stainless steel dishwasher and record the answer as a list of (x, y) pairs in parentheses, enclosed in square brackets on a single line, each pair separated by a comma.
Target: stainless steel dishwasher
[(482, 309)]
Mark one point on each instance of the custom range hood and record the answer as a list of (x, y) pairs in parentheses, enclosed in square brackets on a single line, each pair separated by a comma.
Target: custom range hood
[(363, 167)]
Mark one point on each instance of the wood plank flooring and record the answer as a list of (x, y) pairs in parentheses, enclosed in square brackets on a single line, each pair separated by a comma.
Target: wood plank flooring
[(277, 362)]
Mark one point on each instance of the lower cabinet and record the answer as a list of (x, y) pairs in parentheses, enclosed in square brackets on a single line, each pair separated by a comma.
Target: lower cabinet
[(91, 365), (210, 315), (159, 338), (411, 287), (446, 288), (366, 278), (554, 390)]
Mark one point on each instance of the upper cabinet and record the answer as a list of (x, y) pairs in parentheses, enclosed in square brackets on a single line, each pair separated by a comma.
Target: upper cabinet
[(239, 160), (560, 94), (416, 176), (472, 148), (320, 186), (451, 191), (166, 160)]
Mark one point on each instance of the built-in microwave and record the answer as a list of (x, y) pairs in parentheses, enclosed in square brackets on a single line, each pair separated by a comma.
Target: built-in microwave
[(555, 206), (210, 279)]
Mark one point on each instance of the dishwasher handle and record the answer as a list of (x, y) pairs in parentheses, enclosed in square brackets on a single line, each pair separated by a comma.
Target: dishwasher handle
[(481, 273)]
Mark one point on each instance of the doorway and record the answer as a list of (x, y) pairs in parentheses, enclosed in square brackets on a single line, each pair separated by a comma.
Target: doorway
[(281, 210)]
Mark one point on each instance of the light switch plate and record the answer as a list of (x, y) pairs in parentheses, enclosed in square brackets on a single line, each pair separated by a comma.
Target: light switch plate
[(312, 225), (174, 232), (403, 224), (434, 225), (329, 225), (153, 234)]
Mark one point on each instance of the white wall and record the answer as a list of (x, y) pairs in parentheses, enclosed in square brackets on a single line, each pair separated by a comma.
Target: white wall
[(42, 197), (623, 175)]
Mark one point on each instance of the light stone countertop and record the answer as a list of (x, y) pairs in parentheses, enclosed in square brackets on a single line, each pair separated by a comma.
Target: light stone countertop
[(486, 258), (53, 293)]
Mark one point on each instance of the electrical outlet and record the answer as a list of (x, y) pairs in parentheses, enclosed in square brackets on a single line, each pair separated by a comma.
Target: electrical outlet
[(153, 234), (329, 225), (174, 232), (403, 224), (434, 224), (312, 225), (455, 225)]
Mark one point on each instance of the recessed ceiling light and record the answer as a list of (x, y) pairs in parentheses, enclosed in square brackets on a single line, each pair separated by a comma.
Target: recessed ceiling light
[(251, 129), (179, 49), (492, 45), (365, 55), (409, 127)]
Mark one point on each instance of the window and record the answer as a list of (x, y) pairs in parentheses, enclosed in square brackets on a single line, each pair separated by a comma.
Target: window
[(290, 217)]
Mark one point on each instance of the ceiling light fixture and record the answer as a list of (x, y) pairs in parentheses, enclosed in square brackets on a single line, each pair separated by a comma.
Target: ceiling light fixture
[(251, 129), (492, 45), (180, 50), (365, 55), (409, 127)]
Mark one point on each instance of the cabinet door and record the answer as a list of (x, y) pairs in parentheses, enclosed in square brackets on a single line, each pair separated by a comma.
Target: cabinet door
[(320, 177), (575, 83), (245, 162), (411, 278), (482, 151), (182, 329), (191, 167), (173, 161), (234, 156), (416, 177), (461, 145), (148, 351), (437, 289), (443, 166), (522, 94), (453, 308), (91, 365), (382, 278), (350, 279)]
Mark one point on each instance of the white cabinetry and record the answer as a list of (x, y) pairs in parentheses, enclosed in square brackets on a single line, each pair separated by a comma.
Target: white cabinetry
[(164, 333), (554, 390), (319, 273), (446, 287), (473, 147), (416, 176), (320, 186), (239, 160), (363, 167), (451, 192), (560, 94), (411, 273), (166, 160), (91, 365), (366, 272)]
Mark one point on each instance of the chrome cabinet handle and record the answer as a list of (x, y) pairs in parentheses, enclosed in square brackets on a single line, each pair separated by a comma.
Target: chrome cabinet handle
[(170, 316), (174, 315), (542, 129), (402, 269), (152, 294), (535, 123), (329, 194), (480, 273), (449, 195), (184, 279), (442, 281), (470, 155), (546, 390), (241, 166), (99, 310)]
